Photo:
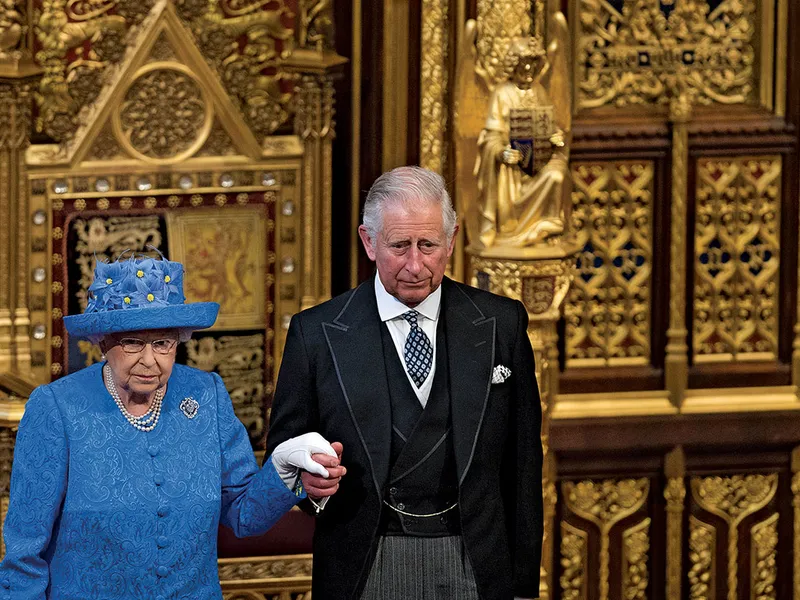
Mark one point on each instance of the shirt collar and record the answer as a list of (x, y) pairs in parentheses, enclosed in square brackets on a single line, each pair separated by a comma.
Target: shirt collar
[(390, 307)]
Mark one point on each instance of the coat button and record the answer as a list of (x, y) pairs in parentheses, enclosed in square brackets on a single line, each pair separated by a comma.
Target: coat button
[(6, 583), (152, 451), (162, 571), (392, 490), (163, 511), (158, 479), (401, 506), (162, 541)]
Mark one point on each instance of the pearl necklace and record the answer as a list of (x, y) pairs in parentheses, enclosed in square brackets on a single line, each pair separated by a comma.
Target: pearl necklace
[(145, 422)]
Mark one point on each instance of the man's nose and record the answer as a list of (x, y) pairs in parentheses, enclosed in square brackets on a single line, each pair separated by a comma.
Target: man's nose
[(414, 261)]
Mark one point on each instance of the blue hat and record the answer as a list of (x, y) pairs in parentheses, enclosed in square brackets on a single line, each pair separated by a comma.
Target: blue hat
[(136, 294)]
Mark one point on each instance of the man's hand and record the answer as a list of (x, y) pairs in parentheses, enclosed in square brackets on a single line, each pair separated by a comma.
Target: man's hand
[(320, 487)]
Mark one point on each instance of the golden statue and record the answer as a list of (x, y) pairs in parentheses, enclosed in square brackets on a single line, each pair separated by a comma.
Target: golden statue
[(521, 169)]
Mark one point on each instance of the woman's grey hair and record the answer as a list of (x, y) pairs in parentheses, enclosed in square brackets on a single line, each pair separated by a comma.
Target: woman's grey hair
[(407, 185)]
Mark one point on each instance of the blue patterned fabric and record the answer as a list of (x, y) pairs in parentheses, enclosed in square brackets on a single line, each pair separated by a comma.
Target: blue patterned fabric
[(418, 350), (101, 511), (139, 293)]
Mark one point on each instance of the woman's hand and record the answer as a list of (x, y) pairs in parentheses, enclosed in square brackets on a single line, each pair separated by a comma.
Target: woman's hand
[(296, 453), (318, 487)]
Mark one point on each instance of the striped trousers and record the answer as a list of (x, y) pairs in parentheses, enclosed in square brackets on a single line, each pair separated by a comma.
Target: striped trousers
[(418, 568)]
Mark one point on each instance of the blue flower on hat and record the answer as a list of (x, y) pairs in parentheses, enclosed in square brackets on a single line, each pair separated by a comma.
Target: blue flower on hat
[(139, 293)]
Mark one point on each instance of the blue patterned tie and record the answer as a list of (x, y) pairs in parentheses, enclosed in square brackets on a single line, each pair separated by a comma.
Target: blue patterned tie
[(418, 351)]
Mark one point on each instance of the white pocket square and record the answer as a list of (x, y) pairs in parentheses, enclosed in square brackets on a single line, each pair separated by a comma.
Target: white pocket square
[(500, 374)]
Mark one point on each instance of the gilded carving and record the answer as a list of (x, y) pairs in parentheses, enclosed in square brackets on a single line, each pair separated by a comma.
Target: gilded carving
[(635, 546), (239, 360), (638, 52), (737, 248), (12, 28), (734, 498), (245, 42), (605, 503), (268, 568), (316, 24), (574, 562), (78, 42), (763, 559), (608, 309), (521, 168), (164, 114), (498, 23), (675, 495), (434, 85), (530, 281), (702, 556)]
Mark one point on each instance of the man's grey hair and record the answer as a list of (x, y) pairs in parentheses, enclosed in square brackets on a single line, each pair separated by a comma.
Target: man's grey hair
[(406, 186)]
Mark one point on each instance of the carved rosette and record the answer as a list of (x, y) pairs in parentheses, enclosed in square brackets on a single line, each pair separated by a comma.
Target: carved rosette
[(165, 115)]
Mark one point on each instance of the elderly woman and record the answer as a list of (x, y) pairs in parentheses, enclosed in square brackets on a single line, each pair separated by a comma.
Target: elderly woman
[(123, 470)]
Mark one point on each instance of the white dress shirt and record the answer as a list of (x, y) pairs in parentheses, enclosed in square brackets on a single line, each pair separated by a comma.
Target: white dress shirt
[(391, 310)]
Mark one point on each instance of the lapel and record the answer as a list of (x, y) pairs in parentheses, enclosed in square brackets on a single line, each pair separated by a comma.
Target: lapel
[(354, 340), (470, 352)]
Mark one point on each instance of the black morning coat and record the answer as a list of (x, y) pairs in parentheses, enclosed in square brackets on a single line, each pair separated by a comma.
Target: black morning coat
[(333, 380)]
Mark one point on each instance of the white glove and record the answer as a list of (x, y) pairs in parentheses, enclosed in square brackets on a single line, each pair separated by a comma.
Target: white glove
[(295, 454)]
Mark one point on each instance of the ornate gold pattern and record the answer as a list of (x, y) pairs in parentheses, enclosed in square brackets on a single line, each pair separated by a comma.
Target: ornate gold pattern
[(702, 555), (164, 114), (434, 85), (498, 23), (607, 312), (605, 504), (315, 27), (737, 246), (763, 559), (734, 498), (574, 562), (535, 283), (244, 42), (266, 578), (644, 55), (73, 74), (635, 546), (239, 360)]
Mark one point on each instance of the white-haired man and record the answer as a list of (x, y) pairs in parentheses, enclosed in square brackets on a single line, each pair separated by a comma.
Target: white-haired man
[(430, 386)]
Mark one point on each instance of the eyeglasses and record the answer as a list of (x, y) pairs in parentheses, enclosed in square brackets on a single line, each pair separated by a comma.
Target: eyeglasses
[(135, 345)]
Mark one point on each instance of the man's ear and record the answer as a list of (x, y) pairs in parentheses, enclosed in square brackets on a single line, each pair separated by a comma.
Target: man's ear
[(369, 243), (452, 242)]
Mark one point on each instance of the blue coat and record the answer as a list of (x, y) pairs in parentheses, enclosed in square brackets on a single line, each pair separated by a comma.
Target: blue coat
[(100, 510)]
